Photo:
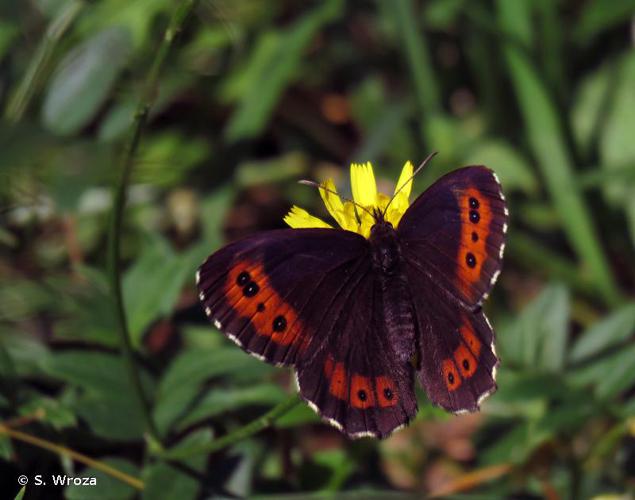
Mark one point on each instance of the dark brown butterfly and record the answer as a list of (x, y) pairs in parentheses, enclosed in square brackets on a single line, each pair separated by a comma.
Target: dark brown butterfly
[(358, 318)]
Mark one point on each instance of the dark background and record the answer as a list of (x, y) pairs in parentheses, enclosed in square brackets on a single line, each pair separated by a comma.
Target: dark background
[(254, 96)]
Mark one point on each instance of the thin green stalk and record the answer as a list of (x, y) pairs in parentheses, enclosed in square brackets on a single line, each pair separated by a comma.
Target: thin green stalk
[(119, 200), (39, 65), (426, 85), (546, 137), (235, 436), (67, 452)]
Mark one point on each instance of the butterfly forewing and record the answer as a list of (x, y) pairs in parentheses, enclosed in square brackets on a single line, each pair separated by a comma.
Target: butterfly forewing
[(454, 234), (264, 291)]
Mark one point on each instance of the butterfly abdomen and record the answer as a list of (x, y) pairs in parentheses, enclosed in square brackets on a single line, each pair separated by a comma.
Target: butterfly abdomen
[(393, 287)]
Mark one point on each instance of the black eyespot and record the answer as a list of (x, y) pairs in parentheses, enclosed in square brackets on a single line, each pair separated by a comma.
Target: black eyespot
[(261, 307), (474, 203), (243, 278), (250, 289), (361, 394), (474, 216), (466, 364), (470, 260), (451, 378), (474, 236), (279, 324), (388, 393)]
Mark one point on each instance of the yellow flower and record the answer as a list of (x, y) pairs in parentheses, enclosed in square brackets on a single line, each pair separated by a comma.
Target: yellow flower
[(365, 194)]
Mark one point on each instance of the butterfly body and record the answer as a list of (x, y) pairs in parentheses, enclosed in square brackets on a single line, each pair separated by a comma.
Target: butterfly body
[(361, 318), (394, 290)]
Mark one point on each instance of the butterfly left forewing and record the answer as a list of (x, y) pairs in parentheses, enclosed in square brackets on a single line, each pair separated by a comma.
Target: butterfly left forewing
[(265, 291)]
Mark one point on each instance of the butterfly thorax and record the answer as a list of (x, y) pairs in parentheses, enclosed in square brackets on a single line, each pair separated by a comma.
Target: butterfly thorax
[(385, 248), (395, 296)]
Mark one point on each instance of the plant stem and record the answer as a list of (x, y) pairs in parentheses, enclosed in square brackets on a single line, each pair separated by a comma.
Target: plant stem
[(119, 200), (67, 452), (235, 436), (39, 65)]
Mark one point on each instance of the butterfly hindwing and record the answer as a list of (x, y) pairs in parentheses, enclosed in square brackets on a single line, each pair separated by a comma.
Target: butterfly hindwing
[(454, 233), (356, 381), (267, 292), (456, 362)]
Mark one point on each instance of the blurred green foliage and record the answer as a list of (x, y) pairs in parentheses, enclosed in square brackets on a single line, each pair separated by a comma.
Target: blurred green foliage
[(254, 96)]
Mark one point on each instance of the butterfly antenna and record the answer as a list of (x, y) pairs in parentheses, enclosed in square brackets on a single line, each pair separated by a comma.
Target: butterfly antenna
[(417, 170), (355, 204)]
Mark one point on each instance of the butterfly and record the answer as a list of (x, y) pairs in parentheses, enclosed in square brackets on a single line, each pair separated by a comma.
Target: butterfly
[(362, 311)]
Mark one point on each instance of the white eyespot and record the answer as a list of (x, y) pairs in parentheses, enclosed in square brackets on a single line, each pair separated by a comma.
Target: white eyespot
[(198, 277), (201, 297), (217, 323), (500, 252), (505, 210), (208, 311), (504, 227), (462, 412)]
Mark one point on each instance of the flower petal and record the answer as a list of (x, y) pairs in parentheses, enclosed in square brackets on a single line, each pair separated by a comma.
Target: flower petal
[(405, 180), (363, 184), (402, 192), (333, 203), (299, 218)]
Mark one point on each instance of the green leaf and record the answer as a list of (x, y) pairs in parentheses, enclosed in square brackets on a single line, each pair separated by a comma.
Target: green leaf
[(608, 332), (26, 353), (272, 67), (538, 339), (548, 141), (8, 32), (6, 449), (298, 415), (599, 15), (163, 480), (107, 488), (290, 166), (56, 413), (617, 148), (609, 376), (84, 79), (185, 376), (441, 14), (21, 493), (590, 103), (153, 284), (221, 400), (105, 399), (516, 445), (512, 169)]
